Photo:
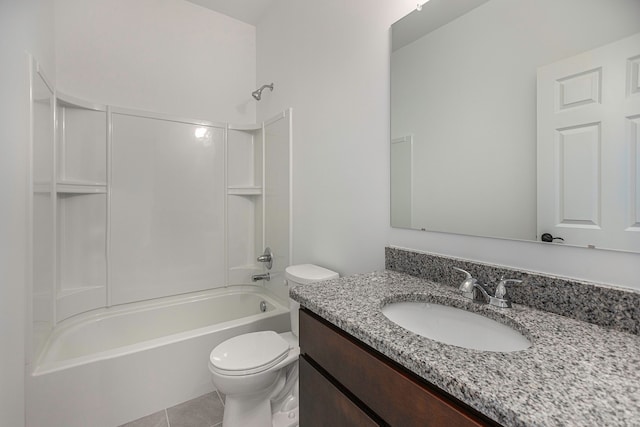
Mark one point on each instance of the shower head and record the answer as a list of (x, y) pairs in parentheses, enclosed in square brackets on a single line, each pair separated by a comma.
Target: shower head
[(257, 94)]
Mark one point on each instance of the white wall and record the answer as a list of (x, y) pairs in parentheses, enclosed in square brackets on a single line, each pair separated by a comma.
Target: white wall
[(329, 61), (25, 25), (167, 56)]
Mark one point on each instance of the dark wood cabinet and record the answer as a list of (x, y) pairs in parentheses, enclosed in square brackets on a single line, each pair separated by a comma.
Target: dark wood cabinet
[(383, 391), (333, 409)]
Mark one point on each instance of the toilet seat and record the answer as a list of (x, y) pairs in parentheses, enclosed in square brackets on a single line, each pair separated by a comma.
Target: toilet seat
[(249, 353)]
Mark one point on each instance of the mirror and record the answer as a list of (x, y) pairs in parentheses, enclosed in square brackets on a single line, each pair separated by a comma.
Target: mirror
[(499, 116)]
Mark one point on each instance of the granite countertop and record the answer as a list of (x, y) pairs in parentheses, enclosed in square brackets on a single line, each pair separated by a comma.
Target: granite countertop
[(574, 374)]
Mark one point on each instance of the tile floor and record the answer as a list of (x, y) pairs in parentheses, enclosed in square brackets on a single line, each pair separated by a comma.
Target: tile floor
[(203, 411)]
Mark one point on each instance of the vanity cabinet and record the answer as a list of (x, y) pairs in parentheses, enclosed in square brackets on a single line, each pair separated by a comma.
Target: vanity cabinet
[(327, 405), (345, 382)]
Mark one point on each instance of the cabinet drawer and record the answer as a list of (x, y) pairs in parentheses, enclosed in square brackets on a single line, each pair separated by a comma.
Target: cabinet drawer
[(322, 404), (399, 397)]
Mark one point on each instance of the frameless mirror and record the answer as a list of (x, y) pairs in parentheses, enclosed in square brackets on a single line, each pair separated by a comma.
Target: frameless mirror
[(518, 120)]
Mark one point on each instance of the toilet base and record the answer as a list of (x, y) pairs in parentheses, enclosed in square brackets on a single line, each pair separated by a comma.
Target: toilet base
[(274, 406), (257, 413), (286, 419), (248, 411)]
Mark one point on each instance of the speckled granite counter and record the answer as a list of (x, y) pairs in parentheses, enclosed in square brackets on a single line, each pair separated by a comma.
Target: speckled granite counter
[(574, 374)]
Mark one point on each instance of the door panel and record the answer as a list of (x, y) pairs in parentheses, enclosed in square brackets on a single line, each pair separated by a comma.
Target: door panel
[(588, 116)]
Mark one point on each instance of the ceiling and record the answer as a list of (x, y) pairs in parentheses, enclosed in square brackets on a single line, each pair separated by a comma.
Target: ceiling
[(249, 11), (434, 14)]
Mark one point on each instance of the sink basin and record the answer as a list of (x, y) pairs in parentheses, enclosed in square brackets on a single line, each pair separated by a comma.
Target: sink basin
[(454, 326)]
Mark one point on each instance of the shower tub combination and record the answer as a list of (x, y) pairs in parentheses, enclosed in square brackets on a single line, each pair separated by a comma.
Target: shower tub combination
[(113, 365), (127, 208)]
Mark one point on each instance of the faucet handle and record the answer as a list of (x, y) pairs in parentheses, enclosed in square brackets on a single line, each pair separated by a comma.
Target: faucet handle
[(267, 258), (469, 276), (468, 283), (501, 289)]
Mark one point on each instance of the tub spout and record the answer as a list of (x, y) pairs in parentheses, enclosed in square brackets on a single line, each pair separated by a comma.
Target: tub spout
[(264, 276)]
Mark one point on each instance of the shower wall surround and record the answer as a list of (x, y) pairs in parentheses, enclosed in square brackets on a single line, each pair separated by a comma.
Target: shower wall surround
[(602, 305), (167, 210), (131, 205)]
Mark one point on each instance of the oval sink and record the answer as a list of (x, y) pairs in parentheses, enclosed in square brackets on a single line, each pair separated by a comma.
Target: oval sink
[(454, 326)]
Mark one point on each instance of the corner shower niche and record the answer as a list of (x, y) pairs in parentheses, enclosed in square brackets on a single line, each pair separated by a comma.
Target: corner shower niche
[(244, 202), (80, 168), (259, 200)]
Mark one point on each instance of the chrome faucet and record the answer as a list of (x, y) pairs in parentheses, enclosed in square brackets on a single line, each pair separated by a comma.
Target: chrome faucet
[(478, 292), (265, 276), (267, 258), (501, 299), (467, 287)]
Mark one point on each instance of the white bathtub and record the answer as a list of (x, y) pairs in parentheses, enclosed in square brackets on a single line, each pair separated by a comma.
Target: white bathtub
[(109, 366)]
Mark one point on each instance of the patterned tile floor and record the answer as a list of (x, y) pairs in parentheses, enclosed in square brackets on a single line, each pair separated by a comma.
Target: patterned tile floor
[(203, 411)]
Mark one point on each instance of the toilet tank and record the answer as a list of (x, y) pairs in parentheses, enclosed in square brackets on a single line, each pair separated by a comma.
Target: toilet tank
[(300, 275)]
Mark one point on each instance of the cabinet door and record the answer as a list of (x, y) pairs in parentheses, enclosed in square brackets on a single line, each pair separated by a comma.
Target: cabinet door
[(322, 404), (393, 394)]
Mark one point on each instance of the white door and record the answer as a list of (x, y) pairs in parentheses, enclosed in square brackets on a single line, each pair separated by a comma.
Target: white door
[(589, 147)]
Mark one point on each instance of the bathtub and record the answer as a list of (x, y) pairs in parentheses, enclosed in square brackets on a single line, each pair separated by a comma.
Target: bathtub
[(110, 366)]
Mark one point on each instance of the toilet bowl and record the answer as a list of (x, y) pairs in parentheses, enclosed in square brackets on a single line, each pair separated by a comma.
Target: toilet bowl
[(258, 371), (250, 369)]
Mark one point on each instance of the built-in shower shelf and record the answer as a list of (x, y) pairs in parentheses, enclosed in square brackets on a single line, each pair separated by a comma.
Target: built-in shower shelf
[(246, 128), (68, 291), (80, 187), (69, 101), (241, 274), (245, 191), (74, 300)]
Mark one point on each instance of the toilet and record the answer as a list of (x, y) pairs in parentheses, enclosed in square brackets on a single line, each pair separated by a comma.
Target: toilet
[(258, 371)]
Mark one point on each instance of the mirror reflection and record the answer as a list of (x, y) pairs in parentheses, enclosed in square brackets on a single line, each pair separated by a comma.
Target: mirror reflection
[(517, 120)]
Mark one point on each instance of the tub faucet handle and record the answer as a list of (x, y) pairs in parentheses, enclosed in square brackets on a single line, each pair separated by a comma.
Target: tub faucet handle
[(267, 258)]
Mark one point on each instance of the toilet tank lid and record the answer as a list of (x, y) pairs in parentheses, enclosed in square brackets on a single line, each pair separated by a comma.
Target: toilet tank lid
[(308, 273)]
